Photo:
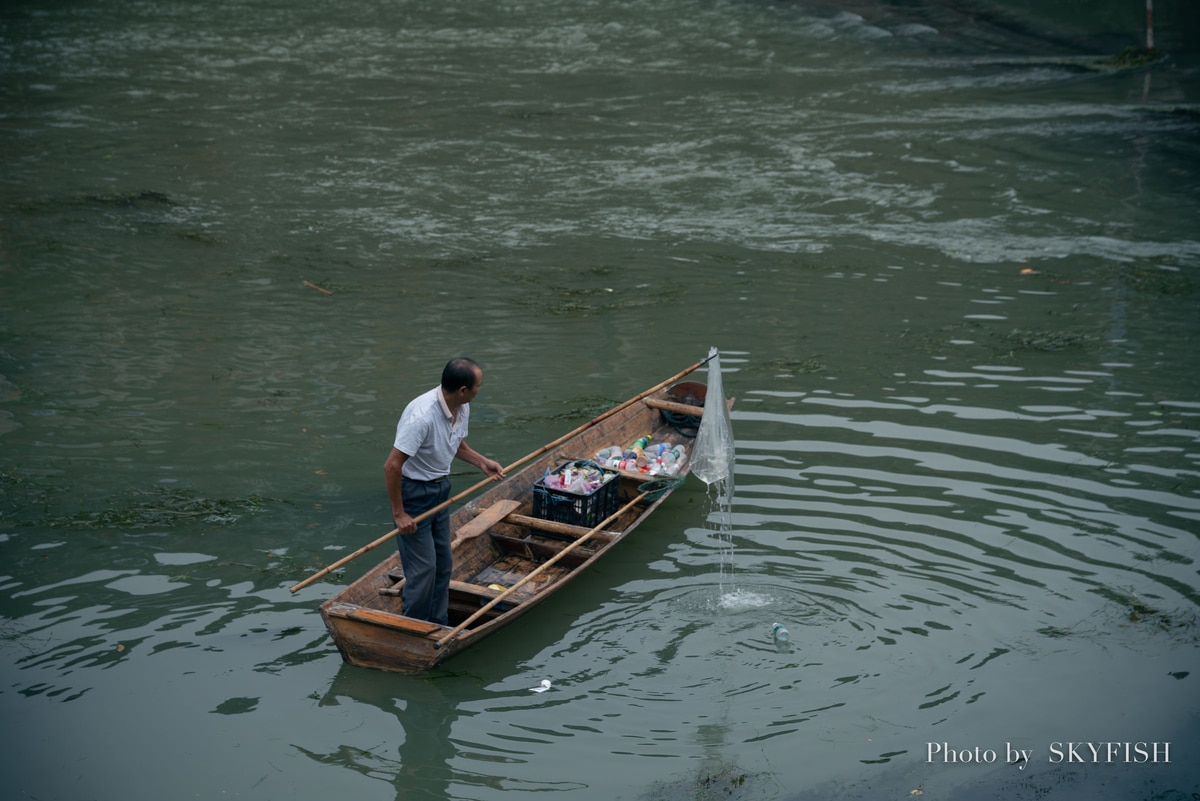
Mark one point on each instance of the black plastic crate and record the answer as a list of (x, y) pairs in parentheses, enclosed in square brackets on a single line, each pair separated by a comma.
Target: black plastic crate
[(564, 506)]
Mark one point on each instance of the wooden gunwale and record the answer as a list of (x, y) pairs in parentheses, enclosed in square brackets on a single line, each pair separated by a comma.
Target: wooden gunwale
[(495, 532)]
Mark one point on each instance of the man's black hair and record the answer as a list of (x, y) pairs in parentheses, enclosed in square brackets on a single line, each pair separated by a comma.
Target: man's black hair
[(459, 373)]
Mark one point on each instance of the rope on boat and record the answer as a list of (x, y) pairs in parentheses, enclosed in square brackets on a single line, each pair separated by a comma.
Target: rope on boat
[(687, 425)]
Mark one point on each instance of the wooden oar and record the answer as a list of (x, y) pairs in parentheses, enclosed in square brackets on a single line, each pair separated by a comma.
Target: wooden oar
[(372, 545), (534, 573)]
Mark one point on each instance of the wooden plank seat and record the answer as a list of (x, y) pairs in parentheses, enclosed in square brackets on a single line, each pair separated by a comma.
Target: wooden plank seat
[(489, 517), (470, 588), (462, 587), (380, 618), (481, 590), (564, 529), (541, 550), (466, 597), (504, 572), (672, 406)]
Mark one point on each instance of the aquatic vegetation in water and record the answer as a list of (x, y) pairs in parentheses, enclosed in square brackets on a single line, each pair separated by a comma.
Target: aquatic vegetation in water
[(145, 199), (1129, 612), (203, 237), (1131, 58), (796, 366), (1157, 281), (574, 410), (728, 782), (584, 407), (1029, 339), (164, 507), (132, 199), (1140, 613)]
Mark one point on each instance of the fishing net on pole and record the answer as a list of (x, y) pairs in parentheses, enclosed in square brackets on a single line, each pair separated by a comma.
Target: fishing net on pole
[(659, 487), (713, 452)]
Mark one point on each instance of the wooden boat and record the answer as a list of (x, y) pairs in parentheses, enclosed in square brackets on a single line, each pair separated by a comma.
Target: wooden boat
[(507, 560)]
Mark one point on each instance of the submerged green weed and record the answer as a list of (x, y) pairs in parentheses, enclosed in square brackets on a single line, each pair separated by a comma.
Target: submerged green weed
[(164, 506), (727, 783), (1132, 58)]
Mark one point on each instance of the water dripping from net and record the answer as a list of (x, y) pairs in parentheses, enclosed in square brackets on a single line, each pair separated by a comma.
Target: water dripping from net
[(730, 597), (720, 520), (713, 459)]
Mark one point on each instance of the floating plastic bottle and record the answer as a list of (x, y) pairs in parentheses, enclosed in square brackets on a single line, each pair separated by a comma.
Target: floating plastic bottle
[(780, 633)]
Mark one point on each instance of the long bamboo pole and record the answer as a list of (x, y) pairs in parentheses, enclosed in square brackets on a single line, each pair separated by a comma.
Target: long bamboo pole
[(372, 545), (534, 573)]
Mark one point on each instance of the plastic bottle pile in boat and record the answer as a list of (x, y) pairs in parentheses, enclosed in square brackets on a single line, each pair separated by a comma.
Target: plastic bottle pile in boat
[(644, 456), (581, 478)]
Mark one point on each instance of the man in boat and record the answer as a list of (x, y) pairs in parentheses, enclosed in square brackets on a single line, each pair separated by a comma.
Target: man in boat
[(432, 432)]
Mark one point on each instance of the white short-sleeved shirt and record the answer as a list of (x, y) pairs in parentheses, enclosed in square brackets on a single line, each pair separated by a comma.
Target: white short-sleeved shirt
[(429, 436)]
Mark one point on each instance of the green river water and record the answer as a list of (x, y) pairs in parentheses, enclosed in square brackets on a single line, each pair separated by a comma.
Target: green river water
[(950, 257)]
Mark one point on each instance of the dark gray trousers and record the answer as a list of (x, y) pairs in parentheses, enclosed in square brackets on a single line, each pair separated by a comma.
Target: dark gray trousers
[(426, 552)]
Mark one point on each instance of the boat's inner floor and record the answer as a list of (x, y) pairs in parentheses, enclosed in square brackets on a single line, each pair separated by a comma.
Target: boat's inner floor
[(495, 552)]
